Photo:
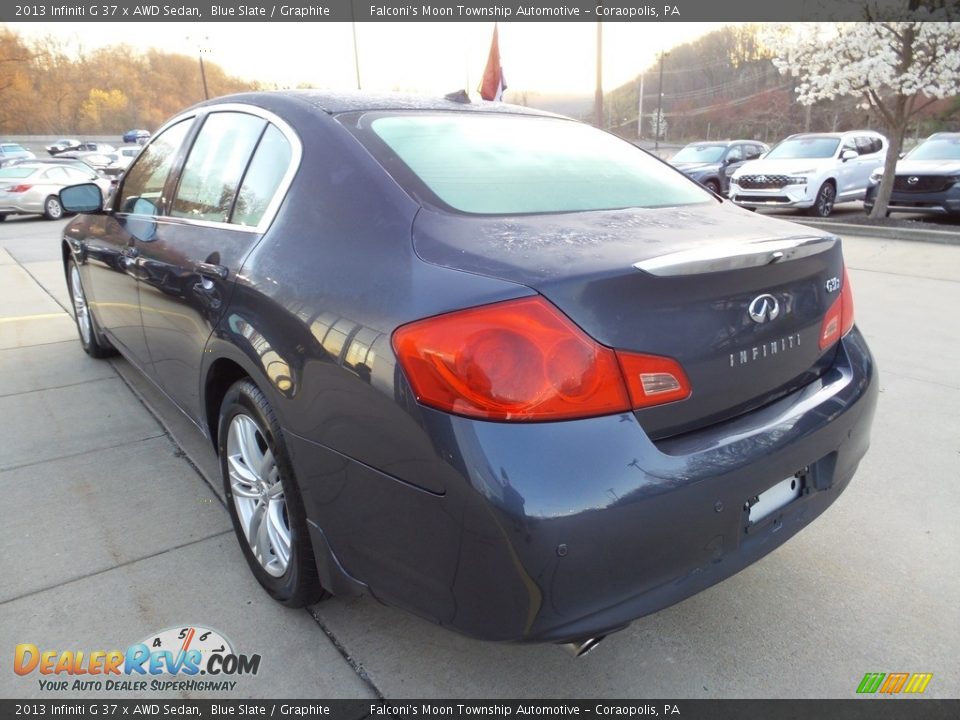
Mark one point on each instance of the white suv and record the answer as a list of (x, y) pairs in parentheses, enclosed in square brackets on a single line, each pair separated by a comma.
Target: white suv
[(810, 170)]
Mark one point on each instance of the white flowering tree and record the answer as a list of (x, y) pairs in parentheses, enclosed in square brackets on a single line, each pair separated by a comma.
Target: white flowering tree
[(896, 69)]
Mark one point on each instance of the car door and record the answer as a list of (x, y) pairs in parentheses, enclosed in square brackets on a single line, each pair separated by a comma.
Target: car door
[(109, 247), (213, 221)]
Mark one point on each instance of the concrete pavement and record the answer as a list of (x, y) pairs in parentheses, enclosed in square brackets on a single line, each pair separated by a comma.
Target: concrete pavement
[(113, 529)]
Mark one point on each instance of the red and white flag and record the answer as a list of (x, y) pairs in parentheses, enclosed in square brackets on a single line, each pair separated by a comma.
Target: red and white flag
[(493, 83)]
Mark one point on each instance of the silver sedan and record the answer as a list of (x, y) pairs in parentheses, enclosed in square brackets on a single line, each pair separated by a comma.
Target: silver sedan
[(34, 188)]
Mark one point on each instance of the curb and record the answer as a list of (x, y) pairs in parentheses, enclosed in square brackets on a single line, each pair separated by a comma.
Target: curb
[(941, 237)]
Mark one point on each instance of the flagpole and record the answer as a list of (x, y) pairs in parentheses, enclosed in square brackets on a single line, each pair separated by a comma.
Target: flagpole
[(356, 55)]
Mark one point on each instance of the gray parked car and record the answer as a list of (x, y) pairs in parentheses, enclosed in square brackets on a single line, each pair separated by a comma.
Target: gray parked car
[(927, 179), (711, 163)]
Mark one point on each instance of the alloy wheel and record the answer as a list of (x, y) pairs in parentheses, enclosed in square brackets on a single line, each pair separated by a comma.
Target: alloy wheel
[(258, 495), (80, 306)]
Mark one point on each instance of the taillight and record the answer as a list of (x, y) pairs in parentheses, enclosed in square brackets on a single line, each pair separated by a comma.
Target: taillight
[(525, 360), (19, 188), (839, 318)]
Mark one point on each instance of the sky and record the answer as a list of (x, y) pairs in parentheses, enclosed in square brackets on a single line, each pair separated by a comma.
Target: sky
[(549, 58)]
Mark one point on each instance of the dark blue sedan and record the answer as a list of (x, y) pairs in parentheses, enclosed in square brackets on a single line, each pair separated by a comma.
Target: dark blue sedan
[(487, 364)]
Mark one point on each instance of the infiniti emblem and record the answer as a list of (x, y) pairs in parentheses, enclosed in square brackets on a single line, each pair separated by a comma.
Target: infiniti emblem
[(913, 180), (763, 308)]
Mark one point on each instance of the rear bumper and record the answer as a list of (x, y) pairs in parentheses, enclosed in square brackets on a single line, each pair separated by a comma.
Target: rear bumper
[(560, 531)]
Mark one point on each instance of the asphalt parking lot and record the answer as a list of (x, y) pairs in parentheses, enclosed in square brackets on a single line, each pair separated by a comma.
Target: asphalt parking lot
[(112, 528)]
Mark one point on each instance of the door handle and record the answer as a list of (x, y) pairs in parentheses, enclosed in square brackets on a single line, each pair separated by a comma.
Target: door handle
[(128, 256), (210, 270)]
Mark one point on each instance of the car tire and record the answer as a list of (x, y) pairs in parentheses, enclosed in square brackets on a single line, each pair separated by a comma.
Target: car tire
[(263, 497), (713, 186), (823, 204), (52, 209), (94, 344)]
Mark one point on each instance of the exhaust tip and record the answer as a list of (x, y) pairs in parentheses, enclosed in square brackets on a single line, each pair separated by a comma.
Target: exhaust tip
[(580, 648)]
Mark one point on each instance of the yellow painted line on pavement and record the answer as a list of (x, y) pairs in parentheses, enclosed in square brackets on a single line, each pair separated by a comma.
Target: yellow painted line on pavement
[(45, 316)]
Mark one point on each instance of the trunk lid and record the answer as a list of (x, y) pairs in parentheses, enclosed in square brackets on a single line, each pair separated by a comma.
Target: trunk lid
[(677, 282)]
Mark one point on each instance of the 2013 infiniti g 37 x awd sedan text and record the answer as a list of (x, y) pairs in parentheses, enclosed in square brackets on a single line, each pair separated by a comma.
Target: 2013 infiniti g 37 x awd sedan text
[(487, 364)]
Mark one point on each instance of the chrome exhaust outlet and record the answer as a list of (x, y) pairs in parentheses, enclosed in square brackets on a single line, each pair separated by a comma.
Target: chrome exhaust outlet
[(580, 648)]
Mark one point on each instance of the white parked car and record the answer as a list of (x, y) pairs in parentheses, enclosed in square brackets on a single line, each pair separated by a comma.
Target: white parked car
[(811, 171)]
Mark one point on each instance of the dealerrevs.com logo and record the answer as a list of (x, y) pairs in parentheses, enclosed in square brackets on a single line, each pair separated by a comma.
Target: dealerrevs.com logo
[(171, 660)]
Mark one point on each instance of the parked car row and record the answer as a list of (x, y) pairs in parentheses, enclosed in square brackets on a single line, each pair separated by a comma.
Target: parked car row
[(31, 185), (815, 171)]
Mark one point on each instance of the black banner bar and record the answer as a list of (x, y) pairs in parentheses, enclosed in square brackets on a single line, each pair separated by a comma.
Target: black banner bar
[(859, 709), (465, 10)]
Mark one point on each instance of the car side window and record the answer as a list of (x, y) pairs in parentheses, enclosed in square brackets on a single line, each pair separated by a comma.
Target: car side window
[(58, 175), (735, 154), (142, 192), (214, 169), (754, 151), (849, 144), (270, 163), (867, 145)]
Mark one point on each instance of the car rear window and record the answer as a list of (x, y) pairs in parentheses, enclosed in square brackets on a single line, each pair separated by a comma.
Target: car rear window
[(497, 164), (17, 171)]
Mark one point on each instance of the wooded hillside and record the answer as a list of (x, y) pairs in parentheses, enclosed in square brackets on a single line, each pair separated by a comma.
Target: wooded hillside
[(50, 87)]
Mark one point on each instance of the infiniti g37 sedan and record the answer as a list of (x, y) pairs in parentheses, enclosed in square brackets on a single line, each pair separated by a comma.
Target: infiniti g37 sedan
[(486, 364)]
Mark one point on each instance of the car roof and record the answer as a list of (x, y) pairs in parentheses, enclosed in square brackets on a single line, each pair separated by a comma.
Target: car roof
[(335, 103), (726, 142), (843, 134), (943, 135)]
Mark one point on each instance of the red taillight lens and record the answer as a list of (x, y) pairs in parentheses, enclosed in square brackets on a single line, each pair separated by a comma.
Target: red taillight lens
[(19, 188), (517, 360), (839, 318)]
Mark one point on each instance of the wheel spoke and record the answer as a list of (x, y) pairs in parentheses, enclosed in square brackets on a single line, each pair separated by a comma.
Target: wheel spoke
[(262, 533), (279, 534), (249, 448), (255, 529), (267, 466), (243, 482)]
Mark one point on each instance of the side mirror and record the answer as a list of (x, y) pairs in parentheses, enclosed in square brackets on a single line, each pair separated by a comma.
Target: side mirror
[(849, 155), (86, 198)]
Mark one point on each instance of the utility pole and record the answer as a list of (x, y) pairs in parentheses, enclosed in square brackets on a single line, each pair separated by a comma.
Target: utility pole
[(640, 111), (356, 55), (200, 51), (598, 96), (656, 142)]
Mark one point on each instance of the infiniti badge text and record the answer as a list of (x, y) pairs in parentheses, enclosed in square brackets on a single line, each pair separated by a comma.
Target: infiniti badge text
[(768, 349)]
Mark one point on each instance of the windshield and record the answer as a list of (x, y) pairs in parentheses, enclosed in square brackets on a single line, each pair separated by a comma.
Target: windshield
[(500, 164), (807, 147), (699, 154), (937, 149)]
